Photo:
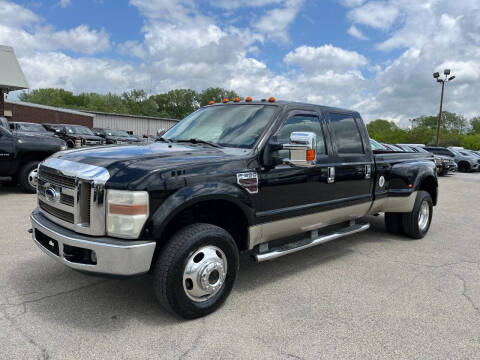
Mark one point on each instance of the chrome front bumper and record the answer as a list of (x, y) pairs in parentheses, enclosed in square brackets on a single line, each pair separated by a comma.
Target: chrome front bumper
[(112, 256)]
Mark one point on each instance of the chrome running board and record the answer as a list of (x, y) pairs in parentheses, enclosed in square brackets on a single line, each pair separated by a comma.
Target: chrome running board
[(307, 243)]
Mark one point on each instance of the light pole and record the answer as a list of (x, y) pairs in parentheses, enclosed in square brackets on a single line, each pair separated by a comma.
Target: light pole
[(436, 76)]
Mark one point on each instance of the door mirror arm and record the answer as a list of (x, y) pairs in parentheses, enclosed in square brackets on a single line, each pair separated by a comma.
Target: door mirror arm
[(269, 160)]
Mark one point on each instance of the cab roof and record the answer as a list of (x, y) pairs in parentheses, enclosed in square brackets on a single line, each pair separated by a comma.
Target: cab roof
[(288, 104)]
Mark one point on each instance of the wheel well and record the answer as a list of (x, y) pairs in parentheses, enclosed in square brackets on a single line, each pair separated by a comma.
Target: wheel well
[(430, 185), (34, 156), (464, 163), (222, 213)]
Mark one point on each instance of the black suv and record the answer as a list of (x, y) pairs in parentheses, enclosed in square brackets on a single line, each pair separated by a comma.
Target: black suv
[(75, 135), (115, 136)]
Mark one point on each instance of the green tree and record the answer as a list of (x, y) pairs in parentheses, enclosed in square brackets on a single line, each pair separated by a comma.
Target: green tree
[(176, 103), (475, 124), (137, 102), (215, 94), (471, 141), (386, 131), (450, 121), (50, 97)]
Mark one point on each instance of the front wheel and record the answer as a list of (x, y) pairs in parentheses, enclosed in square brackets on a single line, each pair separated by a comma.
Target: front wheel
[(196, 270), (27, 177), (417, 222)]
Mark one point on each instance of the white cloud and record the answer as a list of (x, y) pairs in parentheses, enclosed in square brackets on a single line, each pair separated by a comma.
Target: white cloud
[(235, 4), (15, 15), (80, 39), (376, 14), (434, 35), (64, 3), (355, 32), (351, 3), (53, 69), (275, 23), (183, 46), (326, 57)]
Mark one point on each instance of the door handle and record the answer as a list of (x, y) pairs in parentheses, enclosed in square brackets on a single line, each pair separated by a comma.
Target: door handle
[(368, 171), (331, 174)]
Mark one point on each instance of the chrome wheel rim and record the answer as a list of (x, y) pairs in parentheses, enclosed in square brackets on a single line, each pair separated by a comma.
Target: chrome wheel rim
[(423, 215), (204, 273), (32, 178)]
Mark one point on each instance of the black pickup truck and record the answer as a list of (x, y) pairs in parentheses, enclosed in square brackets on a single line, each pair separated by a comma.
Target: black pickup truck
[(75, 135), (115, 136), (20, 154), (268, 177)]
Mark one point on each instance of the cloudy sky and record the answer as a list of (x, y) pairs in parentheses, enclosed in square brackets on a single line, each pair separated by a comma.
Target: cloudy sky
[(374, 56)]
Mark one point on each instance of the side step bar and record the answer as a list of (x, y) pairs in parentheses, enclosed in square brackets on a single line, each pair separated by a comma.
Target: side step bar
[(307, 243)]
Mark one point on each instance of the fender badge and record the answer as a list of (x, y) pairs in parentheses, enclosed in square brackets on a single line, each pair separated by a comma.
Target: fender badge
[(381, 181), (249, 181)]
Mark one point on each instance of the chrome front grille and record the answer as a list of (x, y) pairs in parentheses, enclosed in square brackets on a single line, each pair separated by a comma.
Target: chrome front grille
[(73, 201), (67, 200), (58, 180), (62, 215)]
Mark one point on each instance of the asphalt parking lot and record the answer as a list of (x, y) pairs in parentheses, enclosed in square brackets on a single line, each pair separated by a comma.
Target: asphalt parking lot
[(371, 295)]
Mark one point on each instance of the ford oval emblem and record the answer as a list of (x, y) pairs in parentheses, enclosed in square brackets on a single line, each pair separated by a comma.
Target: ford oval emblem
[(51, 194)]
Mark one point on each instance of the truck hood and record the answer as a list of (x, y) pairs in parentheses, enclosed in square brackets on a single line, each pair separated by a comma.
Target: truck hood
[(129, 164)]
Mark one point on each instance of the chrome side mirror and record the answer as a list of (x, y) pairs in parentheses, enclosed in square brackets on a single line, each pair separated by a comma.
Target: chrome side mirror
[(302, 148)]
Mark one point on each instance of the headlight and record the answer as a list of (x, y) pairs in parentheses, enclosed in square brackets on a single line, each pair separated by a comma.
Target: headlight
[(127, 212), (63, 147)]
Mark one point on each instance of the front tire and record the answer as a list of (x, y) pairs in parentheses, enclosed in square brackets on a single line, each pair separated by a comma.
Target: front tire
[(27, 178), (464, 167), (196, 270), (417, 222)]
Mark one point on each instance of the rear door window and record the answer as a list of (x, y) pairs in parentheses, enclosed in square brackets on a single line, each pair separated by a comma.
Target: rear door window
[(347, 134)]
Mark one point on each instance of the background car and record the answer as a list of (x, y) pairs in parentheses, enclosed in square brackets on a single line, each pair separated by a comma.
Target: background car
[(29, 128), (465, 163), (375, 145), (444, 163), (115, 136), (75, 135), (392, 147)]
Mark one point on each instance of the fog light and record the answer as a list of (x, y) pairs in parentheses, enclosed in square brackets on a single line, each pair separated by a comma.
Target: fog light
[(93, 257)]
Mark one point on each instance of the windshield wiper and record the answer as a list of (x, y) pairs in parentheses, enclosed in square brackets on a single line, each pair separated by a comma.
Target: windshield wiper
[(199, 141), (164, 140)]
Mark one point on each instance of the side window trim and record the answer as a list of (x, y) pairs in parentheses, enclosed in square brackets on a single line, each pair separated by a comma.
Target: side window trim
[(334, 137)]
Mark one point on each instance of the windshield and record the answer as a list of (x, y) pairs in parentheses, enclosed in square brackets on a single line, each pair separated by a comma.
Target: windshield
[(117, 133), (30, 127), (376, 145), (82, 130), (394, 148), (420, 149), (230, 125)]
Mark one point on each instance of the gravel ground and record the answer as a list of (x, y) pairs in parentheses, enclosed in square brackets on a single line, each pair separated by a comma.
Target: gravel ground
[(371, 295)]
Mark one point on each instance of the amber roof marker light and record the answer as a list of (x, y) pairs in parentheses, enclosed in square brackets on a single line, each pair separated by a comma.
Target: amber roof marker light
[(236, 99), (211, 102), (248, 99), (226, 100), (271, 99)]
